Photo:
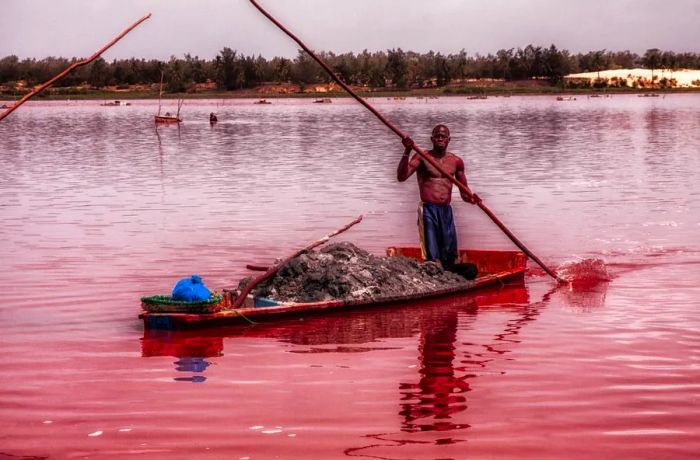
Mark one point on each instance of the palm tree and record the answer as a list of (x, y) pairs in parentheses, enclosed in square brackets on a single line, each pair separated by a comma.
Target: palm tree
[(651, 60)]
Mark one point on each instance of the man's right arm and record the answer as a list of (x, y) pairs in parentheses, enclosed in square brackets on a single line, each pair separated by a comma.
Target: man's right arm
[(406, 167)]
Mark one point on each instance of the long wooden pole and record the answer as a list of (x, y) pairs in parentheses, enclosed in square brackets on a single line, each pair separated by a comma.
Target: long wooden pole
[(425, 155), (160, 91), (273, 269), (73, 66)]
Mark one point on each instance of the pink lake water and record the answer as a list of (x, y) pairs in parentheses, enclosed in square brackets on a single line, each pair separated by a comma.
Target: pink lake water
[(99, 208)]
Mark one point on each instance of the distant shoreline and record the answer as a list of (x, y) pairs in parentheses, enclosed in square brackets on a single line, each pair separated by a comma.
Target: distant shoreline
[(257, 93)]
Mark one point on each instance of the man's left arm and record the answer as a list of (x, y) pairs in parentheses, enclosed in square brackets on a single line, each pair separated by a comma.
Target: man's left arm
[(468, 196)]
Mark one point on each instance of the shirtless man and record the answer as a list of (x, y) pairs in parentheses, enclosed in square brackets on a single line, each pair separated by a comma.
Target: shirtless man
[(435, 221)]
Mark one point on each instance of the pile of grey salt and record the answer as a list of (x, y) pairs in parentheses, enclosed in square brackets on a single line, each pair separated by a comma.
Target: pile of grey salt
[(344, 271)]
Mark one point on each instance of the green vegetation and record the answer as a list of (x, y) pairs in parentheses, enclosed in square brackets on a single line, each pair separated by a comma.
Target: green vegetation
[(542, 69)]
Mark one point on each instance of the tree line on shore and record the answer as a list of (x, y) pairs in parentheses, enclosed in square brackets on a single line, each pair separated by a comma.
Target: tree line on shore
[(394, 68)]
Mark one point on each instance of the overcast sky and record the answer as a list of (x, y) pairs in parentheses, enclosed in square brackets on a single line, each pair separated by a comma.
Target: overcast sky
[(67, 28)]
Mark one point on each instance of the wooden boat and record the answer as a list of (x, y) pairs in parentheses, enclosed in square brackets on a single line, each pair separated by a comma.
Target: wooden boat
[(262, 101), (357, 325), (494, 267), (167, 119), (325, 100)]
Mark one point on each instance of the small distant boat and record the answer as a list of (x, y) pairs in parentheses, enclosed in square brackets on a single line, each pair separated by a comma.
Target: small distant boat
[(167, 118), (648, 95), (478, 96), (262, 101), (5, 106), (325, 100), (112, 104), (562, 98)]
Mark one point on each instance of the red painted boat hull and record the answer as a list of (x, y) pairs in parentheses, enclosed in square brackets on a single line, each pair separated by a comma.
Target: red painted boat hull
[(495, 267)]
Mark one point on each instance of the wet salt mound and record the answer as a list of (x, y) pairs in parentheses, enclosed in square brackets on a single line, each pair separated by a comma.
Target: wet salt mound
[(584, 272), (344, 271)]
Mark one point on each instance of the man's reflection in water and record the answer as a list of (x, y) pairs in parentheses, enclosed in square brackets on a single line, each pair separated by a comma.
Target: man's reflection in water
[(440, 394)]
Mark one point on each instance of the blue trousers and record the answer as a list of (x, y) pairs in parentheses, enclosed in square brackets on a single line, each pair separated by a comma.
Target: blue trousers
[(438, 234)]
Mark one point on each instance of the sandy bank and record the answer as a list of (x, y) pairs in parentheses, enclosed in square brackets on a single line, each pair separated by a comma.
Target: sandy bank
[(683, 77)]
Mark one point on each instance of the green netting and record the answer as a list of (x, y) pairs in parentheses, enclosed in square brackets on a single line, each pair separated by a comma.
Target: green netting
[(165, 303)]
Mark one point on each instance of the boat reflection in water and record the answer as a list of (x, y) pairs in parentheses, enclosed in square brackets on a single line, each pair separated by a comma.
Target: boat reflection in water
[(446, 368), (190, 347)]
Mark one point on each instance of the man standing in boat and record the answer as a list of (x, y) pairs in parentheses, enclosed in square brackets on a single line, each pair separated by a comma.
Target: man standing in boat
[(435, 220)]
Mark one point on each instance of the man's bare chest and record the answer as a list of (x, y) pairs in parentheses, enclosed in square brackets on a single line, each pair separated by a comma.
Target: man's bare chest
[(446, 162)]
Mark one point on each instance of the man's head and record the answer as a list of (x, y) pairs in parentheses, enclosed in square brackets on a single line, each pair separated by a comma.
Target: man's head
[(440, 137)]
